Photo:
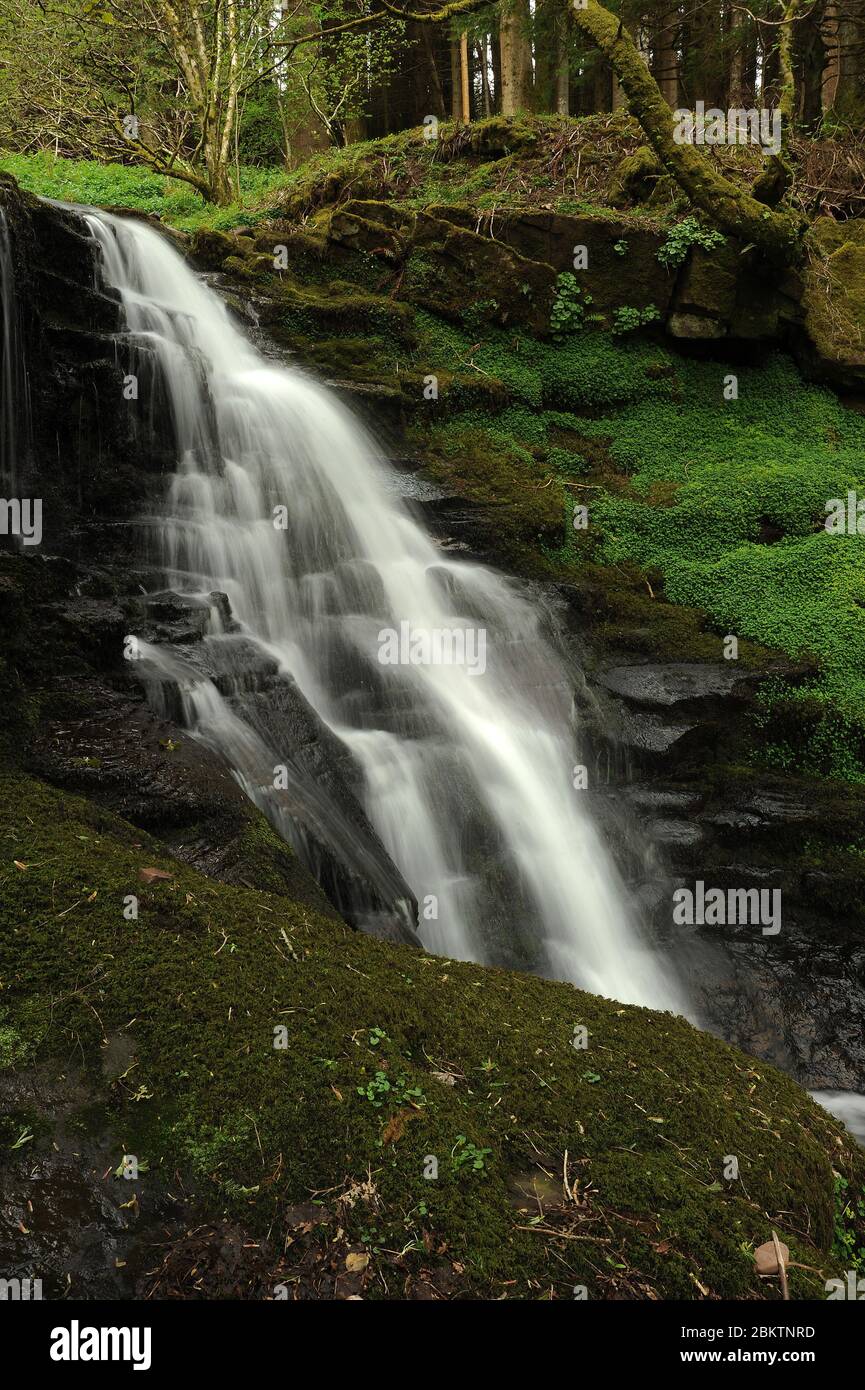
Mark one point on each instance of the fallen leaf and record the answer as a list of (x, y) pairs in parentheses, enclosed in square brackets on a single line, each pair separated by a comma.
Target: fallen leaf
[(395, 1127), (150, 875)]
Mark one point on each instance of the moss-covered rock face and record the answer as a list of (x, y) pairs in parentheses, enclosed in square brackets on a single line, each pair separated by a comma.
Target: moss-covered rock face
[(500, 263), (452, 269), (270, 1054), (834, 298)]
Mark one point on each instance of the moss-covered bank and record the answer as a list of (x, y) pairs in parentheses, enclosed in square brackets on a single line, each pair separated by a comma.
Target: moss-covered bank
[(392, 1058)]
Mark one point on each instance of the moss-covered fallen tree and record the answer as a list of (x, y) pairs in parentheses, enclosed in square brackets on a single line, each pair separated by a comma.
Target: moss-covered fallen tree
[(557, 1166)]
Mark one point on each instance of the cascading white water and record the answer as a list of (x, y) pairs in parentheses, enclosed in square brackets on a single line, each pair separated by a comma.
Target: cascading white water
[(467, 776)]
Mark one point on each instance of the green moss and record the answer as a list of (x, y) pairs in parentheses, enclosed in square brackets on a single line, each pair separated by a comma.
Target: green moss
[(323, 311), (130, 186), (635, 177), (834, 293), (198, 983), (15, 1051)]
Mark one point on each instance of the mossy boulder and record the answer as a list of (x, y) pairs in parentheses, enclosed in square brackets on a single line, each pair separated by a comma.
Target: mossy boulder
[(451, 268), (349, 228), (635, 177), (299, 245), (445, 266), (333, 309), (834, 300), (622, 259), (554, 1166), (211, 249), (727, 291), (492, 138), (709, 283)]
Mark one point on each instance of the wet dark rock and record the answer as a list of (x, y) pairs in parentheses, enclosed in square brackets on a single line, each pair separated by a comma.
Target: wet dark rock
[(85, 456), (675, 832), (322, 814), (648, 799), (650, 733), (672, 683), (637, 278), (66, 1217)]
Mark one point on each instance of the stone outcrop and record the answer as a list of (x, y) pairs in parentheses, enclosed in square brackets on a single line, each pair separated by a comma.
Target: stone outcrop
[(502, 267), (834, 301)]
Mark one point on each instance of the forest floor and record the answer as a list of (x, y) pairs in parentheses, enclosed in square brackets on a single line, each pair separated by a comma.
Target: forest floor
[(566, 165)]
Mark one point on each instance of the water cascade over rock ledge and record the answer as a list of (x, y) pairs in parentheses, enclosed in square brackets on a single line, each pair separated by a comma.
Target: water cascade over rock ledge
[(465, 777)]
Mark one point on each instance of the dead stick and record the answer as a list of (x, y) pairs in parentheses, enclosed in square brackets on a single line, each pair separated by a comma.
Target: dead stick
[(785, 1292)]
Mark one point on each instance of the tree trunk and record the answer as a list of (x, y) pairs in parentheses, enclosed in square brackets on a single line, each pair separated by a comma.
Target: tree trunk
[(602, 86), (516, 59), (665, 58), (550, 19), (736, 89), (215, 153), (465, 90), (849, 100), (456, 95), (771, 77), (707, 55), (563, 70), (788, 98), (483, 62), (435, 82), (496, 59), (811, 52)]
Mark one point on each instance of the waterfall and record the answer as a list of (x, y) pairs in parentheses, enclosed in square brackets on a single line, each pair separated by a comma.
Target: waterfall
[(464, 764)]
